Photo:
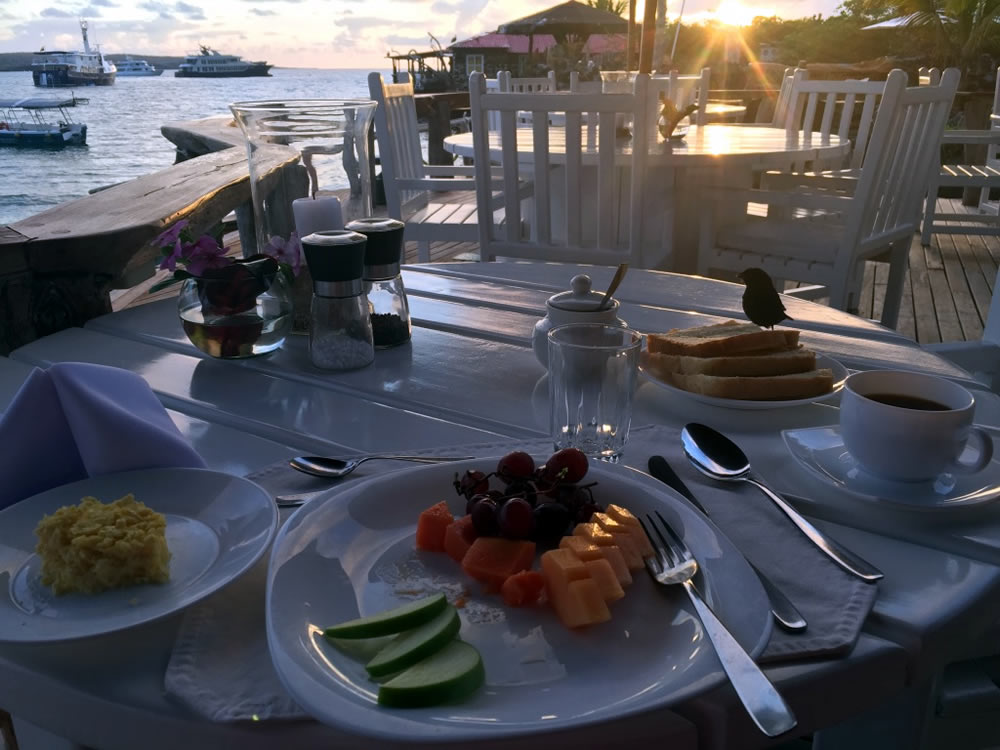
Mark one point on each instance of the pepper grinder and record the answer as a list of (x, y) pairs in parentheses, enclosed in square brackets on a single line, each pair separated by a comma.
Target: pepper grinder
[(387, 303), (340, 333)]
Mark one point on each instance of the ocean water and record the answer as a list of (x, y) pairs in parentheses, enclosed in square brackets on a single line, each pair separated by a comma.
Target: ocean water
[(123, 128)]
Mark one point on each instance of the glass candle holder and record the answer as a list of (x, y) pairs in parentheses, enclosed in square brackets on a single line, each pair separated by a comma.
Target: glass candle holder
[(310, 171)]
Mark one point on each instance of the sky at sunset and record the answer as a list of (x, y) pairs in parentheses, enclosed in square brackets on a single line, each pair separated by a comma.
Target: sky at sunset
[(305, 33)]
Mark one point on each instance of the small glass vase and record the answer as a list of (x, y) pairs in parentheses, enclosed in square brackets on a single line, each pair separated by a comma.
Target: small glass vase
[(236, 318)]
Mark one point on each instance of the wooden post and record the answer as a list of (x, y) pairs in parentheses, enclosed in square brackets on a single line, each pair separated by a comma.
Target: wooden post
[(648, 37), (439, 128), (630, 40)]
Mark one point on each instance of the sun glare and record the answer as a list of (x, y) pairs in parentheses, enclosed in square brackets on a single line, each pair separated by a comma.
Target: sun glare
[(737, 13)]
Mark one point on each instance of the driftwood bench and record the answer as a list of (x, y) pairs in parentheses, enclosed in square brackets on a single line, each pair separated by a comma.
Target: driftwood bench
[(58, 267)]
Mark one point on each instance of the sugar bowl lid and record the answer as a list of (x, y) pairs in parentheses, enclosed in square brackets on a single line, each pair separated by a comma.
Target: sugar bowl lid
[(580, 298)]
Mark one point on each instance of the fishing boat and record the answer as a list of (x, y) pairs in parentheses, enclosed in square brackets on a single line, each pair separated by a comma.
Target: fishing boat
[(212, 64), (40, 122), (135, 68), (60, 68)]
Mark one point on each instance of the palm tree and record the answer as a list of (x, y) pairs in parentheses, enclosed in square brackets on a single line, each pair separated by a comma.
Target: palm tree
[(962, 28)]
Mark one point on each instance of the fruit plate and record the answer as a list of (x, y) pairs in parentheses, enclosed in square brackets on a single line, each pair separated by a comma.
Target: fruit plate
[(218, 526), (822, 361), (352, 554)]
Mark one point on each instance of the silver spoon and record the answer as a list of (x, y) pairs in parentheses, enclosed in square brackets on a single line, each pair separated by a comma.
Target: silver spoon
[(335, 468), (613, 286), (718, 457)]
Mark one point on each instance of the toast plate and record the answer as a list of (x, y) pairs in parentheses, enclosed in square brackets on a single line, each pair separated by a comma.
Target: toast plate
[(822, 361), (353, 554), (218, 526), (821, 451)]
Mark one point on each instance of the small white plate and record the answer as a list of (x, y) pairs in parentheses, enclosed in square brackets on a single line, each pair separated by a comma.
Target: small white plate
[(821, 450), (822, 361), (353, 554), (218, 526)]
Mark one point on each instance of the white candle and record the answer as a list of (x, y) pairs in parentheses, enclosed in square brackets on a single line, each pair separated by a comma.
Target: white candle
[(317, 215)]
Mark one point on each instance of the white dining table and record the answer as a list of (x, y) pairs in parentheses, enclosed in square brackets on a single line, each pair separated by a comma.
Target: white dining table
[(469, 377), (709, 156)]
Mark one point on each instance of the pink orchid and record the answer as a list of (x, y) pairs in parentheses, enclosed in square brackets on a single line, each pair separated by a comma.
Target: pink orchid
[(286, 251)]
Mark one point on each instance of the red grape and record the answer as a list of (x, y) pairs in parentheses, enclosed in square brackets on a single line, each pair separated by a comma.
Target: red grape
[(568, 465), (473, 482), (551, 521), (522, 488), (517, 519), (471, 502), (484, 518), (515, 465)]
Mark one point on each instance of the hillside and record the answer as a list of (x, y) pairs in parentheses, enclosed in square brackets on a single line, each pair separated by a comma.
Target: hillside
[(22, 60)]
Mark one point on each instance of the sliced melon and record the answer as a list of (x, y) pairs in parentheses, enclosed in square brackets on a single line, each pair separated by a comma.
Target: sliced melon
[(451, 673), (409, 647), (391, 621), (605, 578)]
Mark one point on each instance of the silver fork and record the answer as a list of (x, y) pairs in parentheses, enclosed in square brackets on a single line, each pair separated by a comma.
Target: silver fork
[(674, 564)]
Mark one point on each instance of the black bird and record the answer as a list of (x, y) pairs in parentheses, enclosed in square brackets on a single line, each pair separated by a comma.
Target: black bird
[(761, 302)]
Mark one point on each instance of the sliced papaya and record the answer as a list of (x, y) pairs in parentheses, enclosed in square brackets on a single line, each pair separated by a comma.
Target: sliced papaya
[(431, 527)]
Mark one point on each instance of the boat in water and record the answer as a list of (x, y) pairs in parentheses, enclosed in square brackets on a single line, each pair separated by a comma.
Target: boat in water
[(40, 122), (135, 68), (212, 64), (59, 68)]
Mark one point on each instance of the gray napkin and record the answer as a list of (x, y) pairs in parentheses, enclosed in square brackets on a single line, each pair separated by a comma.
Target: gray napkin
[(220, 666)]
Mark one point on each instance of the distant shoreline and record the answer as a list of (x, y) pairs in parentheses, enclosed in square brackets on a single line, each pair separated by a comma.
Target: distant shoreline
[(15, 62)]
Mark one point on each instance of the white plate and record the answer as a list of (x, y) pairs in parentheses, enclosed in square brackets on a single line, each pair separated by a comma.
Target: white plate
[(839, 376), (353, 554), (821, 450), (218, 526)]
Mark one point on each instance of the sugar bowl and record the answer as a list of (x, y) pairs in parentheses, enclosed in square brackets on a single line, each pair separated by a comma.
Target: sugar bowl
[(581, 304)]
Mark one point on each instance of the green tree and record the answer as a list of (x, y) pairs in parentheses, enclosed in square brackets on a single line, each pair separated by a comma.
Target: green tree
[(618, 7)]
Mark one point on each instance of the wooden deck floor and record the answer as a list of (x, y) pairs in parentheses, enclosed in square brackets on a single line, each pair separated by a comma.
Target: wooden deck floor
[(947, 296)]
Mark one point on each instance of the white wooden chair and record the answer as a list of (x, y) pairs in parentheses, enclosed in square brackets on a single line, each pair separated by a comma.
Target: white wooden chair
[(538, 85), (875, 220), (590, 171), (577, 86), (685, 90), (983, 176), (775, 115), (928, 76), (437, 203)]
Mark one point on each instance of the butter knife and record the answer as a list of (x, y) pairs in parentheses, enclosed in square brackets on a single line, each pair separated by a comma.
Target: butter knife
[(782, 609)]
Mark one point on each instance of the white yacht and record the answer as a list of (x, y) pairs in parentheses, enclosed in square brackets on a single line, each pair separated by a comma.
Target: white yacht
[(87, 68), (131, 67), (211, 64)]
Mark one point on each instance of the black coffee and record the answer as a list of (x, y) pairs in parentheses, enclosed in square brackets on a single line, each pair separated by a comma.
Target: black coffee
[(907, 402)]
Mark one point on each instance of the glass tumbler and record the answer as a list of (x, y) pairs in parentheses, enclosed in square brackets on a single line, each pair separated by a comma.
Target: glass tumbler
[(593, 370)]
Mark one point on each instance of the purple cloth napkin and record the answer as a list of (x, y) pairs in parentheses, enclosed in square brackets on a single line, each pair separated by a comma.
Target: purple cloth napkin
[(76, 420)]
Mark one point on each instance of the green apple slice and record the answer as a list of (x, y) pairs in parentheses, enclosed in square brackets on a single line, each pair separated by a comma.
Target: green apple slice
[(451, 673), (407, 648), (391, 621)]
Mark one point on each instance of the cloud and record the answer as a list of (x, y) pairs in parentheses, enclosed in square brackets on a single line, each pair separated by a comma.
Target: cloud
[(91, 11), (104, 3), (445, 7), (192, 12), (263, 12), (55, 13)]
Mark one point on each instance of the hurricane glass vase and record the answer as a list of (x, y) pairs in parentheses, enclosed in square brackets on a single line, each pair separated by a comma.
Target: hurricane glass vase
[(310, 170)]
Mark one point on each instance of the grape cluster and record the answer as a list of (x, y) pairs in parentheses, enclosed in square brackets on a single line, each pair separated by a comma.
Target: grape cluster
[(541, 504)]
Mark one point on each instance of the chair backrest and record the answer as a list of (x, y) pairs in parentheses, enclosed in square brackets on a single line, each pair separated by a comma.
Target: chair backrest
[(685, 90), (583, 87), (928, 76), (590, 169), (543, 84), (493, 84), (901, 156), (399, 148), (843, 108), (779, 114)]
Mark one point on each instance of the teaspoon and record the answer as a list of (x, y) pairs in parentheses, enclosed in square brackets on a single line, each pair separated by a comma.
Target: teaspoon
[(335, 468), (718, 457)]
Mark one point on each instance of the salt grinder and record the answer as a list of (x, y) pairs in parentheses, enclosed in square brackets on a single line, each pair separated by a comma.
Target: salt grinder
[(340, 332), (387, 304)]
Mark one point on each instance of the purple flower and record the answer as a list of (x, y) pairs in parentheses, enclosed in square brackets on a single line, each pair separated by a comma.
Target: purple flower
[(205, 253), (286, 251), (172, 236)]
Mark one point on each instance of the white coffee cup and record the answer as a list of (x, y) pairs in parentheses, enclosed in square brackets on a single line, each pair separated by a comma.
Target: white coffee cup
[(909, 427)]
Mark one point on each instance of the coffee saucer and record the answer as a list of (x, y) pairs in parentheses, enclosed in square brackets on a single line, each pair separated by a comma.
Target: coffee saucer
[(821, 450)]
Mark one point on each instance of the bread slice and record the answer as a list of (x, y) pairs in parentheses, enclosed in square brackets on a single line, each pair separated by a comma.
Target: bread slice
[(764, 388), (787, 362), (721, 339)]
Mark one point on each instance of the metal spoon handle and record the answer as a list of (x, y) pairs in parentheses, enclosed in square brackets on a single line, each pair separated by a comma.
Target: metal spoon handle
[(846, 559), (613, 286), (782, 609), (760, 698), (418, 459)]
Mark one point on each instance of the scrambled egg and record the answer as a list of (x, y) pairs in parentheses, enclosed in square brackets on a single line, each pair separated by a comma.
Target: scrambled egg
[(93, 546)]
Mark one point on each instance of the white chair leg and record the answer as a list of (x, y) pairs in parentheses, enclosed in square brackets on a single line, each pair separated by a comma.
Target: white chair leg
[(899, 257), (930, 205), (423, 251)]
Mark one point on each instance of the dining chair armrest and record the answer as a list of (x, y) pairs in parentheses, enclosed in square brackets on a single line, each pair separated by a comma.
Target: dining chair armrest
[(971, 137), (790, 198), (442, 185), (449, 170)]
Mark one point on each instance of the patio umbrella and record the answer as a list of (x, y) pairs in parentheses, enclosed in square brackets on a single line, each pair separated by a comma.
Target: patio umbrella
[(567, 19)]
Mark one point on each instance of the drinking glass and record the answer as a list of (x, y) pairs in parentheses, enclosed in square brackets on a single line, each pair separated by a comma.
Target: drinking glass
[(592, 375)]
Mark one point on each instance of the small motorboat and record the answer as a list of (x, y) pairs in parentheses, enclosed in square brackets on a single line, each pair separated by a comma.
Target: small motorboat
[(40, 122)]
